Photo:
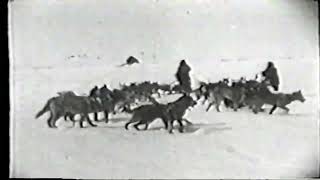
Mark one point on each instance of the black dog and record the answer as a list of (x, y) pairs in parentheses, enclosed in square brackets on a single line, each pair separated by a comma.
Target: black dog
[(105, 95), (167, 112)]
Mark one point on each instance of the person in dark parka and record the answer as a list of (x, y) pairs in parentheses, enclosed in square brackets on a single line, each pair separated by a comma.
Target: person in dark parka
[(183, 77), (271, 74)]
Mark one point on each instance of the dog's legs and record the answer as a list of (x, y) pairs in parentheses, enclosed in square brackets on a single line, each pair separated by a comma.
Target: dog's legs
[(272, 109), (217, 106), (127, 125), (95, 115), (53, 121), (114, 110), (71, 118), (170, 126), (132, 120), (165, 122), (81, 121), (146, 126), (235, 106), (66, 117), (218, 102), (89, 121), (180, 125), (73, 123), (106, 116), (209, 106), (204, 100), (49, 121), (226, 102), (136, 126)]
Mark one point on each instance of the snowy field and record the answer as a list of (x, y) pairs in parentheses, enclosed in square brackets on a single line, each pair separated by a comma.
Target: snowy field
[(218, 39)]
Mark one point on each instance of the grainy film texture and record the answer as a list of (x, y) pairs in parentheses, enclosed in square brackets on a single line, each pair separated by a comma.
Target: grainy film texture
[(164, 89)]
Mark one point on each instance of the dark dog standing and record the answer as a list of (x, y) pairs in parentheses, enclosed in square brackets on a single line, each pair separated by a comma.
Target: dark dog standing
[(70, 104), (176, 110), (105, 95), (167, 112)]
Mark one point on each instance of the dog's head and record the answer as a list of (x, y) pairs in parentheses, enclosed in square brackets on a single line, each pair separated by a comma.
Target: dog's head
[(104, 93), (298, 96), (188, 100)]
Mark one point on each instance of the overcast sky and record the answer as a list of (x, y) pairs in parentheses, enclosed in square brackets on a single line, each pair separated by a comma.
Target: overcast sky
[(46, 32)]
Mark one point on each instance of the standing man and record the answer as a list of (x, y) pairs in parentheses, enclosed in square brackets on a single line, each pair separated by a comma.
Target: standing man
[(183, 76), (271, 75)]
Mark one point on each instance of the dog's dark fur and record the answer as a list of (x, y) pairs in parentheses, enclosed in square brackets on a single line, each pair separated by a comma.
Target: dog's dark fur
[(167, 112), (145, 89), (68, 116), (105, 95), (145, 114), (247, 87), (204, 89), (221, 92), (280, 100), (177, 109), (70, 104), (123, 99)]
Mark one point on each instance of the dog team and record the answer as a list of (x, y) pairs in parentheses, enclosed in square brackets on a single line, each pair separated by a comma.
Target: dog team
[(233, 94)]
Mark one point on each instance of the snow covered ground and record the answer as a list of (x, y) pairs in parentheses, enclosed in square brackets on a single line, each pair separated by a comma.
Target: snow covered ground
[(229, 38)]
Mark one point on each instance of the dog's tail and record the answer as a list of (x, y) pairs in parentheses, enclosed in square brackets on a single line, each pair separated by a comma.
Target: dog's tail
[(43, 110)]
